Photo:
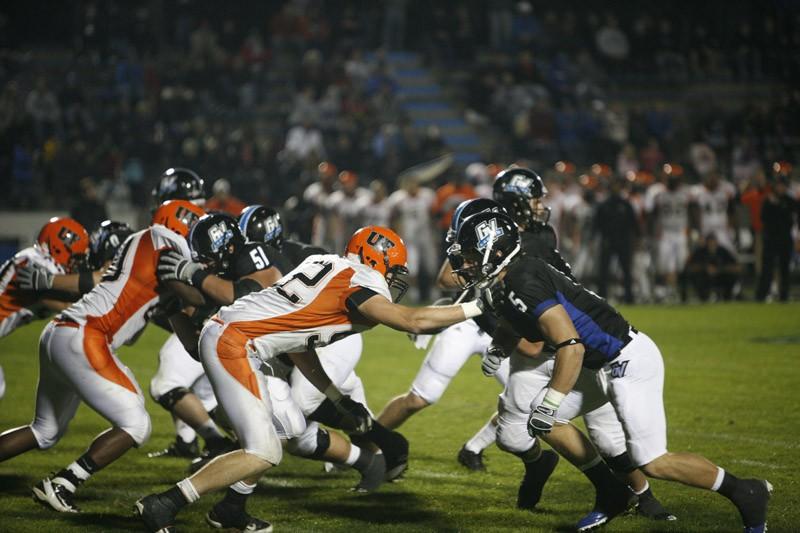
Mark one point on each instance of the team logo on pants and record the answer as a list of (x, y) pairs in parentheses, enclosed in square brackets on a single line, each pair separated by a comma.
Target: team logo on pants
[(618, 369)]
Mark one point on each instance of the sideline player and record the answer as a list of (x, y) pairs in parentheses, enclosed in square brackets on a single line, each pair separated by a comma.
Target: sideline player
[(542, 304), (59, 249), (325, 298), (77, 360)]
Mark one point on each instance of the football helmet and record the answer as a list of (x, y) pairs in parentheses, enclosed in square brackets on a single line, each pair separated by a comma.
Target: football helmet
[(520, 191), (105, 241), (214, 241), (468, 208), (178, 215), (383, 250), (259, 223), (66, 240), (178, 183), (485, 244)]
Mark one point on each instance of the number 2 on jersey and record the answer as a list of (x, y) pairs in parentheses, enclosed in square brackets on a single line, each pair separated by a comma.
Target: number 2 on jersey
[(302, 277)]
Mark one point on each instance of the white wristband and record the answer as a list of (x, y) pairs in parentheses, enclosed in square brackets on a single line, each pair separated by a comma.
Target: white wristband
[(333, 393), (553, 398), (471, 309)]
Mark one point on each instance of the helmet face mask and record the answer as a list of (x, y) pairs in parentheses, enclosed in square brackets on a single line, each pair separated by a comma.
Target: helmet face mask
[(520, 191), (485, 245), (105, 241), (214, 241)]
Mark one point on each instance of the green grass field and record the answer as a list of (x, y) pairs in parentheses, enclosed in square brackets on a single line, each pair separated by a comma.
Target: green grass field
[(733, 374)]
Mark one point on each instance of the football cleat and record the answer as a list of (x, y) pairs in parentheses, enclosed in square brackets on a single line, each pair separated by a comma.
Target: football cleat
[(607, 508), (753, 506), (157, 512), (223, 516), (396, 457), (51, 493), (214, 448), (648, 506), (530, 490), (473, 461), (373, 475), (178, 448)]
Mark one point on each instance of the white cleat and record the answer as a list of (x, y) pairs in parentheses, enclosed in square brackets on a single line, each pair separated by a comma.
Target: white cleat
[(51, 493)]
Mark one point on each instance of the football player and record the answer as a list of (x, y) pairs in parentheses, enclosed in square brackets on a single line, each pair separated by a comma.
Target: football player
[(60, 248), (77, 360), (339, 359), (325, 298), (538, 302)]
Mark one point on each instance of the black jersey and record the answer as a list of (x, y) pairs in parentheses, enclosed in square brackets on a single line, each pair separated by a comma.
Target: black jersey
[(532, 287), (540, 241), (252, 257)]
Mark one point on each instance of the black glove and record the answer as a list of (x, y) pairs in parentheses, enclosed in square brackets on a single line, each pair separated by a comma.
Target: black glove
[(492, 297), (355, 417)]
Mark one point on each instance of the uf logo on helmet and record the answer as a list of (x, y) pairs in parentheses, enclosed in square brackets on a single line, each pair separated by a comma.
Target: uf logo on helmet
[(487, 231), (519, 184), (67, 236), (186, 216), (379, 242), (219, 236)]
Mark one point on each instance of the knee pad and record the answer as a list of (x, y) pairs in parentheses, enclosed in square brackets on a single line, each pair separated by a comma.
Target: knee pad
[(139, 429), (313, 443), (170, 398), (622, 463), (269, 450)]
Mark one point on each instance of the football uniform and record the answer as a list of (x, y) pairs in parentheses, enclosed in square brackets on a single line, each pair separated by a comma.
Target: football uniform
[(311, 306), (631, 367), (713, 206), (76, 350), (17, 308), (414, 216), (673, 219)]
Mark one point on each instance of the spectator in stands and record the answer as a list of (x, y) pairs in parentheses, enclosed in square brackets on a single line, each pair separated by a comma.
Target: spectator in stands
[(222, 199), (617, 226), (394, 23), (712, 270), (89, 210), (304, 141), (779, 214), (43, 107)]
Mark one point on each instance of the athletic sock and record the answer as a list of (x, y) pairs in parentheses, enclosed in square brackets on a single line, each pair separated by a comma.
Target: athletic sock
[(237, 494), (182, 494), (184, 431), (76, 473), (209, 431), (725, 484), (482, 439), (601, 476), (354, 455)]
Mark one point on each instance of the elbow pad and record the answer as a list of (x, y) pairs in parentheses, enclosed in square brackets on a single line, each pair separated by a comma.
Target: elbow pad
[(243, 287)]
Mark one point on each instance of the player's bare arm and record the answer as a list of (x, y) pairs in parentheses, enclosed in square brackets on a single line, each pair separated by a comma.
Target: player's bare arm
[(445, 279), (416, 319), (224, 292), (559, 329)]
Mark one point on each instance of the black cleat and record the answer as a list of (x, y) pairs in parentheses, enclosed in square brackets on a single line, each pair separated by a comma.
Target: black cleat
[(214, 448), (224, 516), (649, 507), (473, 461), (607, 507), (52, 494), (178, 448), (372, 475), (396, 457), (530, 490), (157, 512), (751, 498)]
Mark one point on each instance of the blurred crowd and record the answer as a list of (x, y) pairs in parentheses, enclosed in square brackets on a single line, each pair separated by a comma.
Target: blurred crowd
[(98, 98)]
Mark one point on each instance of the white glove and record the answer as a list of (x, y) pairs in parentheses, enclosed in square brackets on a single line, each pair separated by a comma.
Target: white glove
[(172, 266), (492, 360), (33, 277)]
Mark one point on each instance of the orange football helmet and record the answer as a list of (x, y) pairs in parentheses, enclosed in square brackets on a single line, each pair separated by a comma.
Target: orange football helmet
[(383, 250), (178, 215), (65, 239)]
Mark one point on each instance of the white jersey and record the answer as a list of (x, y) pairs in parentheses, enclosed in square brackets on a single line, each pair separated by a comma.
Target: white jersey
[(673, 210), (121, 303), (414, 213), (714, 208), (306, 308), (349, 211), (17, 308)]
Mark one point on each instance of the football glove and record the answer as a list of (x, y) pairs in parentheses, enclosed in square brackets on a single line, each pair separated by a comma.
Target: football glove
[(492, 297), (34, 278), (492, 360), (355, 417), (172, 266), (541, 421)]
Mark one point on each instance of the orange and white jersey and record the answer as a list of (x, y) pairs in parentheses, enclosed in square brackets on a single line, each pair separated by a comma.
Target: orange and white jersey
[(120, 304), (17, 307), (306, 308)]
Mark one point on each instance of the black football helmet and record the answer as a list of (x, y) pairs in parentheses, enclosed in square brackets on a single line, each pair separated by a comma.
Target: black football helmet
[(105, 241), (214, 241), (515, 189), (468, 208), (259, 223), (178, 183), (485, 244)]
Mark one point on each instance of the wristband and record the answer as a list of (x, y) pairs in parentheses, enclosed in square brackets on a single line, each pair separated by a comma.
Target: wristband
[(198, 277), (333, 393), (85, 281), (553, 398), (471, 309)]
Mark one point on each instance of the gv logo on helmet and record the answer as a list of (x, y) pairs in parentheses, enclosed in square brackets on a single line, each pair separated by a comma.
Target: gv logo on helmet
[(271, 227), (487, 231), (219, 236), (519, 184)]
